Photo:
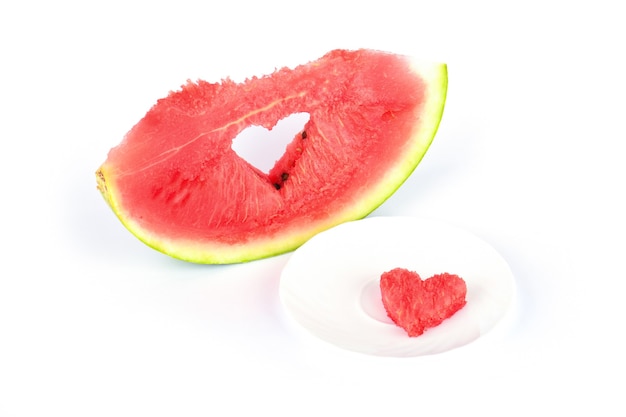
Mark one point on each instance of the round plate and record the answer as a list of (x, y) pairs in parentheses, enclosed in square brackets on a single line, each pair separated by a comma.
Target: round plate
[(330, 285)]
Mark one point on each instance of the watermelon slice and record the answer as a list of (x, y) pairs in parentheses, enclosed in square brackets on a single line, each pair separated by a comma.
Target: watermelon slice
[(176, 183)]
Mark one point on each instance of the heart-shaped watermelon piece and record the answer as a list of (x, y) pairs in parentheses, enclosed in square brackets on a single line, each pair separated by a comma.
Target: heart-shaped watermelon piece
[(417, 305)]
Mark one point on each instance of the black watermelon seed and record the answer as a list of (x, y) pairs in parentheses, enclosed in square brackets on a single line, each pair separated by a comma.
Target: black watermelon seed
[(303, 134)]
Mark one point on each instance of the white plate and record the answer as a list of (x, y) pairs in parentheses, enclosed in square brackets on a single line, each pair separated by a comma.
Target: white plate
[(330, 285)]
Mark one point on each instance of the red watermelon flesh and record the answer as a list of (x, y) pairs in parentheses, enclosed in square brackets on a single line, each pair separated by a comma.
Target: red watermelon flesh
[(177, 184), (417, 305)]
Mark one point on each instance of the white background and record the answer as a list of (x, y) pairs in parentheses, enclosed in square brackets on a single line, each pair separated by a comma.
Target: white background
[(529, 157)]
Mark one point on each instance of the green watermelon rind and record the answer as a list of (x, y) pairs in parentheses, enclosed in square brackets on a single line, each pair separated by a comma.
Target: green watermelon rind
[(435, 78)]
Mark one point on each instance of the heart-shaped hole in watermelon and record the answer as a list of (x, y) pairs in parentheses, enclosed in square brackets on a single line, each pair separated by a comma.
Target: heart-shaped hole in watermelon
[(261, 147)]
